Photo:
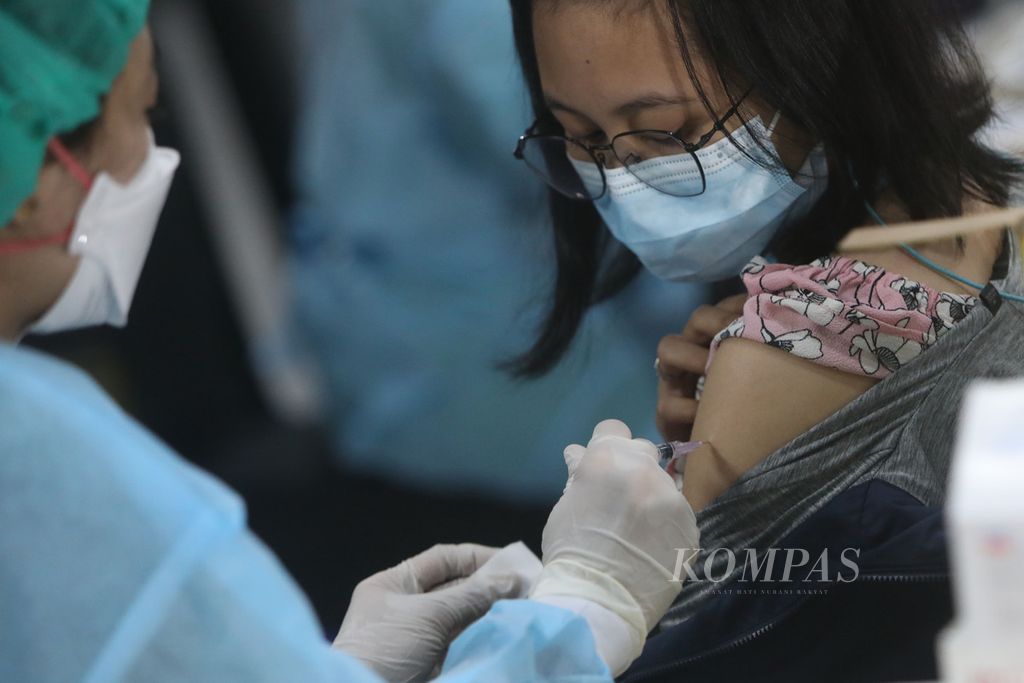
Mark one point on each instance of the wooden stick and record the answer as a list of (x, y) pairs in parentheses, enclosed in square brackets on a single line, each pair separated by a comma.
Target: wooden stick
[(886, 237), (1008, 91)]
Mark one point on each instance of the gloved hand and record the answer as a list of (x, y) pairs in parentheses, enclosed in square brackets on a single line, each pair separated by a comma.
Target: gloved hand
[(613, 537), (398, 628)]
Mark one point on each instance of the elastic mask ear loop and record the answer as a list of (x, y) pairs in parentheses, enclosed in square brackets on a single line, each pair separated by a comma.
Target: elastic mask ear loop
[(78, 172), (70, 163)]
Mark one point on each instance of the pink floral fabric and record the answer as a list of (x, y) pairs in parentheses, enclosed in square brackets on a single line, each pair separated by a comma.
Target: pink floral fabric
[(844, 314)]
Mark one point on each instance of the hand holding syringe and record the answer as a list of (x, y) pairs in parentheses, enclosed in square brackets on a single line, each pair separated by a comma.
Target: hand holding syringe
[(671, 458)]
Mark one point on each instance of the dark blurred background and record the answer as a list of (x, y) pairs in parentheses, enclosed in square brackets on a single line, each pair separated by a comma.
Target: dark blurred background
[(212, 361)]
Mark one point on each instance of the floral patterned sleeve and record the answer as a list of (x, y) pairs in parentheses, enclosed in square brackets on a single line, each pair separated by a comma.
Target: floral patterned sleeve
[(844, 314)]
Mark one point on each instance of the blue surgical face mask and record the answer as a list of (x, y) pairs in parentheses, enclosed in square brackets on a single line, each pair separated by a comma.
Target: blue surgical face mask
[(709, 237)]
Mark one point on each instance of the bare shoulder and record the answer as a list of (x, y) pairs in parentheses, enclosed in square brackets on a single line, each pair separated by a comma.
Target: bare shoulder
[(756, 399)]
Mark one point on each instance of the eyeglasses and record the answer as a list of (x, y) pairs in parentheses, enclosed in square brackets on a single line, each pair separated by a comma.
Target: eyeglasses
[(577, 170)]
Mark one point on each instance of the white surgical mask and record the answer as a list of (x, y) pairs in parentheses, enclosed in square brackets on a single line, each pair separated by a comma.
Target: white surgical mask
[(709, 237), (112, 234)]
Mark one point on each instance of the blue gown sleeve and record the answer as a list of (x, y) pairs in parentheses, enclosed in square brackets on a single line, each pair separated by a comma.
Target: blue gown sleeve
[(523, 641), (235, 621), (237, 618)]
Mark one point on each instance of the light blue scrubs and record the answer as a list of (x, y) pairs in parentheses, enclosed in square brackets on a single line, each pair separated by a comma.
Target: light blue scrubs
[(119, 561)]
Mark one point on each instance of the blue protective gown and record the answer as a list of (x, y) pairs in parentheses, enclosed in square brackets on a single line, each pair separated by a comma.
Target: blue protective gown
[(119, 561)]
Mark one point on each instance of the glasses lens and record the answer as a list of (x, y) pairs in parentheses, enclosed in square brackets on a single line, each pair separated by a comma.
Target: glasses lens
[(662, 162), (565, 166)]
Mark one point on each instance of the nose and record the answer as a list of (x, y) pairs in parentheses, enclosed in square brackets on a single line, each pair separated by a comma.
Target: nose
[(606, 157)]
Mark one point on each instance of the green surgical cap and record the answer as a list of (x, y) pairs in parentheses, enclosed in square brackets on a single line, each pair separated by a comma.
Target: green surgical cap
[(57, 59)]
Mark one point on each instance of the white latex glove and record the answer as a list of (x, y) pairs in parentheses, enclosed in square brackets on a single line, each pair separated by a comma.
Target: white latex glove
[(613, 538), (400, 630)]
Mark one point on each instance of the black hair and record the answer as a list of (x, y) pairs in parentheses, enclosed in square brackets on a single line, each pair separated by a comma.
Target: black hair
[(893, 89)]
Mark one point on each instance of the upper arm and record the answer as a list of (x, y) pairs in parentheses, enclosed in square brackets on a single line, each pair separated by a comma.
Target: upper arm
[(756, 399)]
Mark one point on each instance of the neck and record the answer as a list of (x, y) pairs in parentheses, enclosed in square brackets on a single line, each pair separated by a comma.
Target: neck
[(972, 257), (30, 284)]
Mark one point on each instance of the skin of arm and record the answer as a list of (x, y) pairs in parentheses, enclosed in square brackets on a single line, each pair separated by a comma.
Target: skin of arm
[(756, 399)]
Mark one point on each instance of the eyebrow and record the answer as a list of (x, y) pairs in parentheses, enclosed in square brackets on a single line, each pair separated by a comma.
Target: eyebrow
[(642, 103)]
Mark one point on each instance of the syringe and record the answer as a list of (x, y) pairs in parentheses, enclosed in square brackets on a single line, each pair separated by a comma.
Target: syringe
[(674, 451)]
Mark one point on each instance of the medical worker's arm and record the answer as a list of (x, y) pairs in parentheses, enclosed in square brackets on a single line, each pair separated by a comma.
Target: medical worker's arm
[(612, 544), (127, 564), (401, 620), (218, 606), (609, 555), (238, 618), (522, 641), (235, 617)]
